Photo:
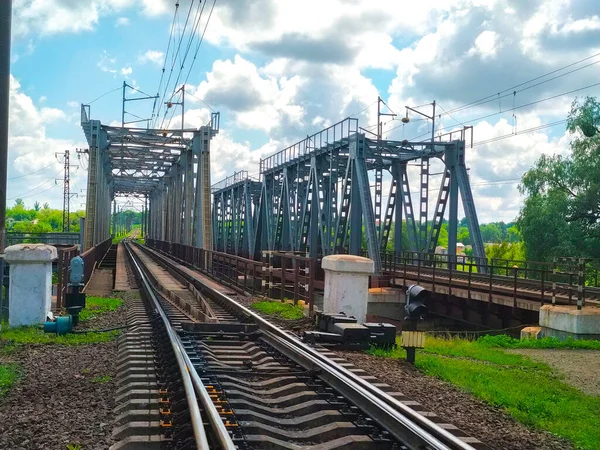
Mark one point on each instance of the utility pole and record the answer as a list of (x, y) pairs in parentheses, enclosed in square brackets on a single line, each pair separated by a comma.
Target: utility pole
[(5, 24), (66, 190), (66, 193)]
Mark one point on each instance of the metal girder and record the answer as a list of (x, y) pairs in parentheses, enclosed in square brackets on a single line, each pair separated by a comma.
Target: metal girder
[(315, 196), (170, 168)]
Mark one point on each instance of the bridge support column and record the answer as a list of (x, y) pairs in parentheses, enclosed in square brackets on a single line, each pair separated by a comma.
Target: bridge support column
[(347, 285), (202, 233), (562, 321), (30, 285)]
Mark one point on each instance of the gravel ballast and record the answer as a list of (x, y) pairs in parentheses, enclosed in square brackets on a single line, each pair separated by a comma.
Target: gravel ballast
[(490, 425), (65, 395)]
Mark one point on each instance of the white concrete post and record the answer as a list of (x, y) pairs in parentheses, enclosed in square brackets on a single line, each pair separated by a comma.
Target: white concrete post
[(347, 285), (30, 284)]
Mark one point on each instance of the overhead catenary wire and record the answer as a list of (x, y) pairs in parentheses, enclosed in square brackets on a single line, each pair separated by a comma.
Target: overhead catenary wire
[(195, 53), (494, 97), (201, 40), (166, 56), (32, 173), (38, 186), (486, 116), (164, 96), (59, 184), (105, 94)]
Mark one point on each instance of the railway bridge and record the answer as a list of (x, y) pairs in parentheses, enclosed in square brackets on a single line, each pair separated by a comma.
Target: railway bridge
[(339, 190)]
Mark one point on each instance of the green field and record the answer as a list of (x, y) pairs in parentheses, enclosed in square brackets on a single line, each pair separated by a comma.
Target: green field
[(530, 391)]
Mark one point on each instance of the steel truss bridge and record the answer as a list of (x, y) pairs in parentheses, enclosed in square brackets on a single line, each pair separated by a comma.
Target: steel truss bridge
[(322, 194), (169, 170)]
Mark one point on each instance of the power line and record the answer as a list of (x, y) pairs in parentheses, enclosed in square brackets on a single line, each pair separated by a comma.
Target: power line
[(162, 98), (105, 94), (31, 173), (175, 60), (41, 184), (495, 96), (203, 102), (37, 193), (200, 42), (511, 109), (528, 130), (162, 76), (197, 21)]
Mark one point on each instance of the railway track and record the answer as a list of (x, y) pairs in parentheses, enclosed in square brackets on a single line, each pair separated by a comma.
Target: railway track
[(226, 378)]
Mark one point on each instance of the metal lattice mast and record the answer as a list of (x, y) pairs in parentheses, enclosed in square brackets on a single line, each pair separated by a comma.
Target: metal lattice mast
[(66, 194)]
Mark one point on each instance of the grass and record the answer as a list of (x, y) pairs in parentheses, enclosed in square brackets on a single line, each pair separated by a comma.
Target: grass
[(9, 375), (13, 337), (527, 390), (503, 341), (96, 306), (279, 309), (101, 379), (16, 336)]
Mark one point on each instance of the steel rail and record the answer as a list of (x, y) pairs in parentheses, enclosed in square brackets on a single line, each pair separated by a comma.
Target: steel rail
[(192, 383), (393, 414)]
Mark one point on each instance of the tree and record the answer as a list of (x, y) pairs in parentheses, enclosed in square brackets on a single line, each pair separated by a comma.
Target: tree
[(491, 233), (463, 235), (46, 205), (561, 212), (513, 234), (20, 202), (36, 206)]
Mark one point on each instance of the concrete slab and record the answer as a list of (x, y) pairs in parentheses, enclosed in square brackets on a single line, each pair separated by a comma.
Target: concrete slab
[(100, 284), (562, 321), (121, 273)]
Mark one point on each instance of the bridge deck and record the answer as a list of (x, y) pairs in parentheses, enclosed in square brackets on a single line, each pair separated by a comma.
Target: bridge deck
[(519, 293)]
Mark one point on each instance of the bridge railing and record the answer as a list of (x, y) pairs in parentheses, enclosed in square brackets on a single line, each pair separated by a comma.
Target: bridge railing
[(279, 275), (332, 135), (563, 281), (13, 238), (93, 256), (65, 254)]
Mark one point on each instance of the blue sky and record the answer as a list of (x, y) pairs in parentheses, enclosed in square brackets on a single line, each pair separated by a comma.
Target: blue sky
[(279, 70)]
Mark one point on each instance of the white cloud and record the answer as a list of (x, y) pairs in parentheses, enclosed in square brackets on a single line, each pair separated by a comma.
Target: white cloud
[(283, 97), (126, 71), (49, 17), (486, 45), (30, 149), (106, 63), (152, 56), (122, 22)]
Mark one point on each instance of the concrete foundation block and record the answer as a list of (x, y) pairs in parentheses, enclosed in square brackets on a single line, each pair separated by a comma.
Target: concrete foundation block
[(347, 285), (30, 284), (386, 303), (531, 332), (562, 321)]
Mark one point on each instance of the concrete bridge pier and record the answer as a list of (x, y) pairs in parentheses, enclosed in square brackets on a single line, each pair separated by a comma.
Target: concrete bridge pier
[(562, 321), (30, 283)]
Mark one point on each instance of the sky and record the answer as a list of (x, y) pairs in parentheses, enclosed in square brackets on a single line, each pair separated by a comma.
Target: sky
[(279, 70)]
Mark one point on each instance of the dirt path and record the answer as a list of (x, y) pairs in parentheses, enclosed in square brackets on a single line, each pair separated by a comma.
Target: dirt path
[(581, 368)]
